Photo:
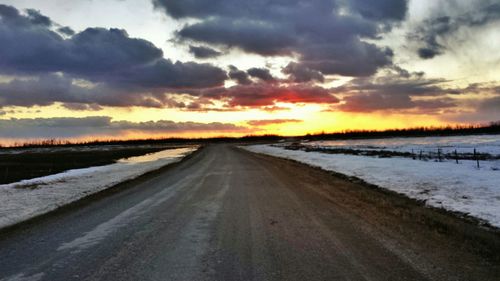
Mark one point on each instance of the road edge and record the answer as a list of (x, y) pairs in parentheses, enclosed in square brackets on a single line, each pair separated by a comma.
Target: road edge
[(445, 222), (98, 195), (480, 223)]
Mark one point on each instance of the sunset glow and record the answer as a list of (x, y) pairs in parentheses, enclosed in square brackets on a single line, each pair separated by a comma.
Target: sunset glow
[(82, 70)]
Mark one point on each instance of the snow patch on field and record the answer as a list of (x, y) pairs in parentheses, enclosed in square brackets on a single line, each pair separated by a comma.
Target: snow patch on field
[(462, 144), (456, 187), (29, 198)]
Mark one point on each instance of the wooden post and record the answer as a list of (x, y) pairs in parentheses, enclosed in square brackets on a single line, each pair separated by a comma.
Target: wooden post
[(413, 154), (476, 158), (420, 155), (456, 156), (439, 154)]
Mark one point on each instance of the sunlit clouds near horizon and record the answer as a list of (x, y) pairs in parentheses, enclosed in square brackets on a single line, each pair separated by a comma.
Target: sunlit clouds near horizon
[(171, 68)]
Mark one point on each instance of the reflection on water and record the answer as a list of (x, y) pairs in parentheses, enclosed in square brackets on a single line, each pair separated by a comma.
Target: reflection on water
[(168, 153)]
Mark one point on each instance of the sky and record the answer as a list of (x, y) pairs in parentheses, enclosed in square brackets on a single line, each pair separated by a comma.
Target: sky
[(121, 69)]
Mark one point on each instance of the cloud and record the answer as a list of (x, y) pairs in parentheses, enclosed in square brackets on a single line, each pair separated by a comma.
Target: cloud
[(258, 95), (262, 74), (165, 74), (326, 36), (42, 91), (384, 10), (30, 47), (68, 127), (37, 18), (429, 53), (452, 17), (300, 73), (239, 76), (48, 89), (250, 36), (66, 30), (265, 95), (116, 70), (374, 102), (82, 106), (396, 92), (479, 110), (412, 92), (266, 122), (243, 78), (201, 52), (490, 104), (274, 108)]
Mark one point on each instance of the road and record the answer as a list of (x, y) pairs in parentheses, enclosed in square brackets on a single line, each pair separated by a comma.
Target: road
[(228, 214)]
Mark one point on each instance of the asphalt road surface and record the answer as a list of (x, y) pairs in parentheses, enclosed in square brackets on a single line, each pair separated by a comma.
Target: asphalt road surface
[(228, 214)]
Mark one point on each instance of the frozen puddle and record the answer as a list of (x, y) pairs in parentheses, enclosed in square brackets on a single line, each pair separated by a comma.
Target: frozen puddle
[(29, 198)]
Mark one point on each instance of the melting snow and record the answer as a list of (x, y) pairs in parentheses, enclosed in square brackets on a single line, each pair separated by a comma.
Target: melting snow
[(29, 198)]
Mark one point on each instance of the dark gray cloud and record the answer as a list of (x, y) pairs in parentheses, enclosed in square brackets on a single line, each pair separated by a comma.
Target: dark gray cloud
[(124, 71), (249, 36), (30, 46), (68, 127), (239, 76), (202, 52), (321, 32), (166, 74), (490, 105), (263, 94), (375, 102), (44, 90), (47, 89), (66, 30), (429, 53), (384, 10), (351, 58), (265, 122), (393, 85), (447, 22), (82, 106), (50, 88), (37, 18), (300, 73), (262, 74), (416, 94), (396, 92)]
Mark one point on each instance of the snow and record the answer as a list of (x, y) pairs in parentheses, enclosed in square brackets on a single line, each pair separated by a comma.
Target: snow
[(29, 198), (456, 187), (463, 144)]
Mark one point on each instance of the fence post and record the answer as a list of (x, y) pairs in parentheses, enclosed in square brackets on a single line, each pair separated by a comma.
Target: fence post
[(456, 156), (476, 158)]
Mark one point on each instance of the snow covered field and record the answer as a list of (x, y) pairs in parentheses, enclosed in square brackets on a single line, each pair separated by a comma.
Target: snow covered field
[(457, 187), (463, 144), (28, 198)]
